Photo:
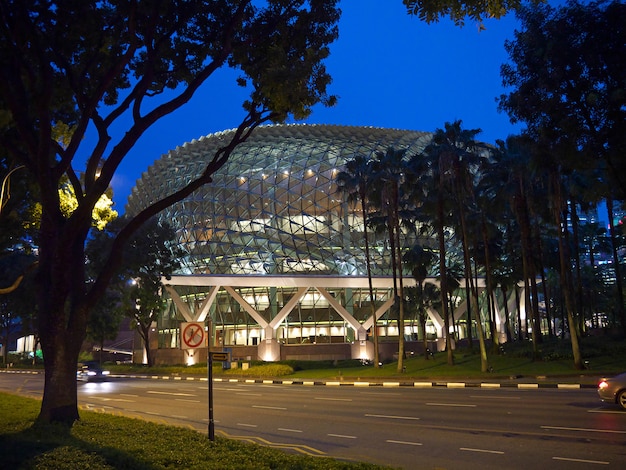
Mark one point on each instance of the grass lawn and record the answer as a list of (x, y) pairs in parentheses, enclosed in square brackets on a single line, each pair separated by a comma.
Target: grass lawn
[(100, 441), (603, 357)]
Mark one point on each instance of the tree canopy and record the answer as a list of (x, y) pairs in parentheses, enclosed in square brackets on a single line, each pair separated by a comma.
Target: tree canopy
[(568, 74), (92, 65), (458, 10)]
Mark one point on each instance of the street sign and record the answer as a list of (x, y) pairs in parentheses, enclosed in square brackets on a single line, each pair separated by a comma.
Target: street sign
[(219, 356), (192, 335)]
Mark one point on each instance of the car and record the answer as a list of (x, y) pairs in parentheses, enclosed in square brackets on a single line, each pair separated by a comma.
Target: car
[(613, 390), (91, 372)]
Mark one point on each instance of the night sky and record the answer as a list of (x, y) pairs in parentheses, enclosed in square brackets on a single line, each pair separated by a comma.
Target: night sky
[(389, 70)]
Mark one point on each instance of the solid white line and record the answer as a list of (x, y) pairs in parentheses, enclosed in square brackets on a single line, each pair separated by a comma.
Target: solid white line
[(289, 430), (452, 404), (561, 428), (333, 399), (115, 399), (484, 451), (598, 462), (391, 416), (494, 397), (605, 411), (391, 441), (177, 394), (342, 436), (269, 407)]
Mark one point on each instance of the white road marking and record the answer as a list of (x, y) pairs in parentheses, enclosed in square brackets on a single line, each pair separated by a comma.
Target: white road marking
[(289, 430), (333, 399), (343, 436), (391, 441), (176, 394), (269, 407), (600, 410), (115, 399), (484, 451), (187, 400), (493, 397), (391, 416), (561, 428), (597, 462), (247, 425), (463, 405)]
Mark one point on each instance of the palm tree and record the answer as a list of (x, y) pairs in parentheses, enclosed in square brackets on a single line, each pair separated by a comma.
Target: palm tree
[(519, 180), (458, 157), (551, 156), (355, 181), (435, 173), (420, 260), (389, 176)]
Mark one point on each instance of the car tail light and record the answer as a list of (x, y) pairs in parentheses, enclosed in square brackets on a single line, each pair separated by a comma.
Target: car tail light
[(603, 384)]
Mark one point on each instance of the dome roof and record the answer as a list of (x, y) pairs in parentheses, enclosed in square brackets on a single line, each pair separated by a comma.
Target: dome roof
[(274, 207)]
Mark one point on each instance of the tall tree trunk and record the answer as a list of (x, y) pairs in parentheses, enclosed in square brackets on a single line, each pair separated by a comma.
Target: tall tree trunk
[(520, 326), (368, 264), (580, 304), (443, 276), (61, 283), (616, 261), (565, 269), (400, 295), (507, 320)]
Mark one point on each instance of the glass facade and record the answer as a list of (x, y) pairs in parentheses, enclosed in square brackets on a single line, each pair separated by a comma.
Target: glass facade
[(274, 207), (274, 210)]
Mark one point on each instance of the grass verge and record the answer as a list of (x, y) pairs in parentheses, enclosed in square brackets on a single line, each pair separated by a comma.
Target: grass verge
[(100, 441), (603, 356)]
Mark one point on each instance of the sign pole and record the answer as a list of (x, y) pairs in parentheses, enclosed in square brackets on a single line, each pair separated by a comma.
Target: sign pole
[(210, 374)]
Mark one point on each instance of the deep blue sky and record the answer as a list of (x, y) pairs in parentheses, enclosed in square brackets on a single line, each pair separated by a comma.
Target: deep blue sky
[(388, 69)]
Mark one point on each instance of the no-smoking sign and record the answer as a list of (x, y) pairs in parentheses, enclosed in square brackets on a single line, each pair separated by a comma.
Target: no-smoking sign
[(193, 335)]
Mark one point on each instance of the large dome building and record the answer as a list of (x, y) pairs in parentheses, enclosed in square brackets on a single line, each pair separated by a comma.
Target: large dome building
[(274, 207), (274, 254)]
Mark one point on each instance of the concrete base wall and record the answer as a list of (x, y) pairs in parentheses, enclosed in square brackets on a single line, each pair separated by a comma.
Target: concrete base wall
[(388, 351)]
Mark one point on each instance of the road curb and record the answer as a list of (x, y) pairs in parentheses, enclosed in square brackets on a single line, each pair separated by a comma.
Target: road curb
[(347, 383), (361, 383)]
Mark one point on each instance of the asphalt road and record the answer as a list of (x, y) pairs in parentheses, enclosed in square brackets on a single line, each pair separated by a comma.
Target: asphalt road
[(443, 428)]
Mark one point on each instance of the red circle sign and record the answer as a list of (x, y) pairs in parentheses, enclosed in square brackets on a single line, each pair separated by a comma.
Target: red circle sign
[(193, 335)]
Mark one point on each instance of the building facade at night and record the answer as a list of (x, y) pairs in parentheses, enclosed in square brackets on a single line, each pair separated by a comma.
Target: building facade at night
[(274, 264)]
